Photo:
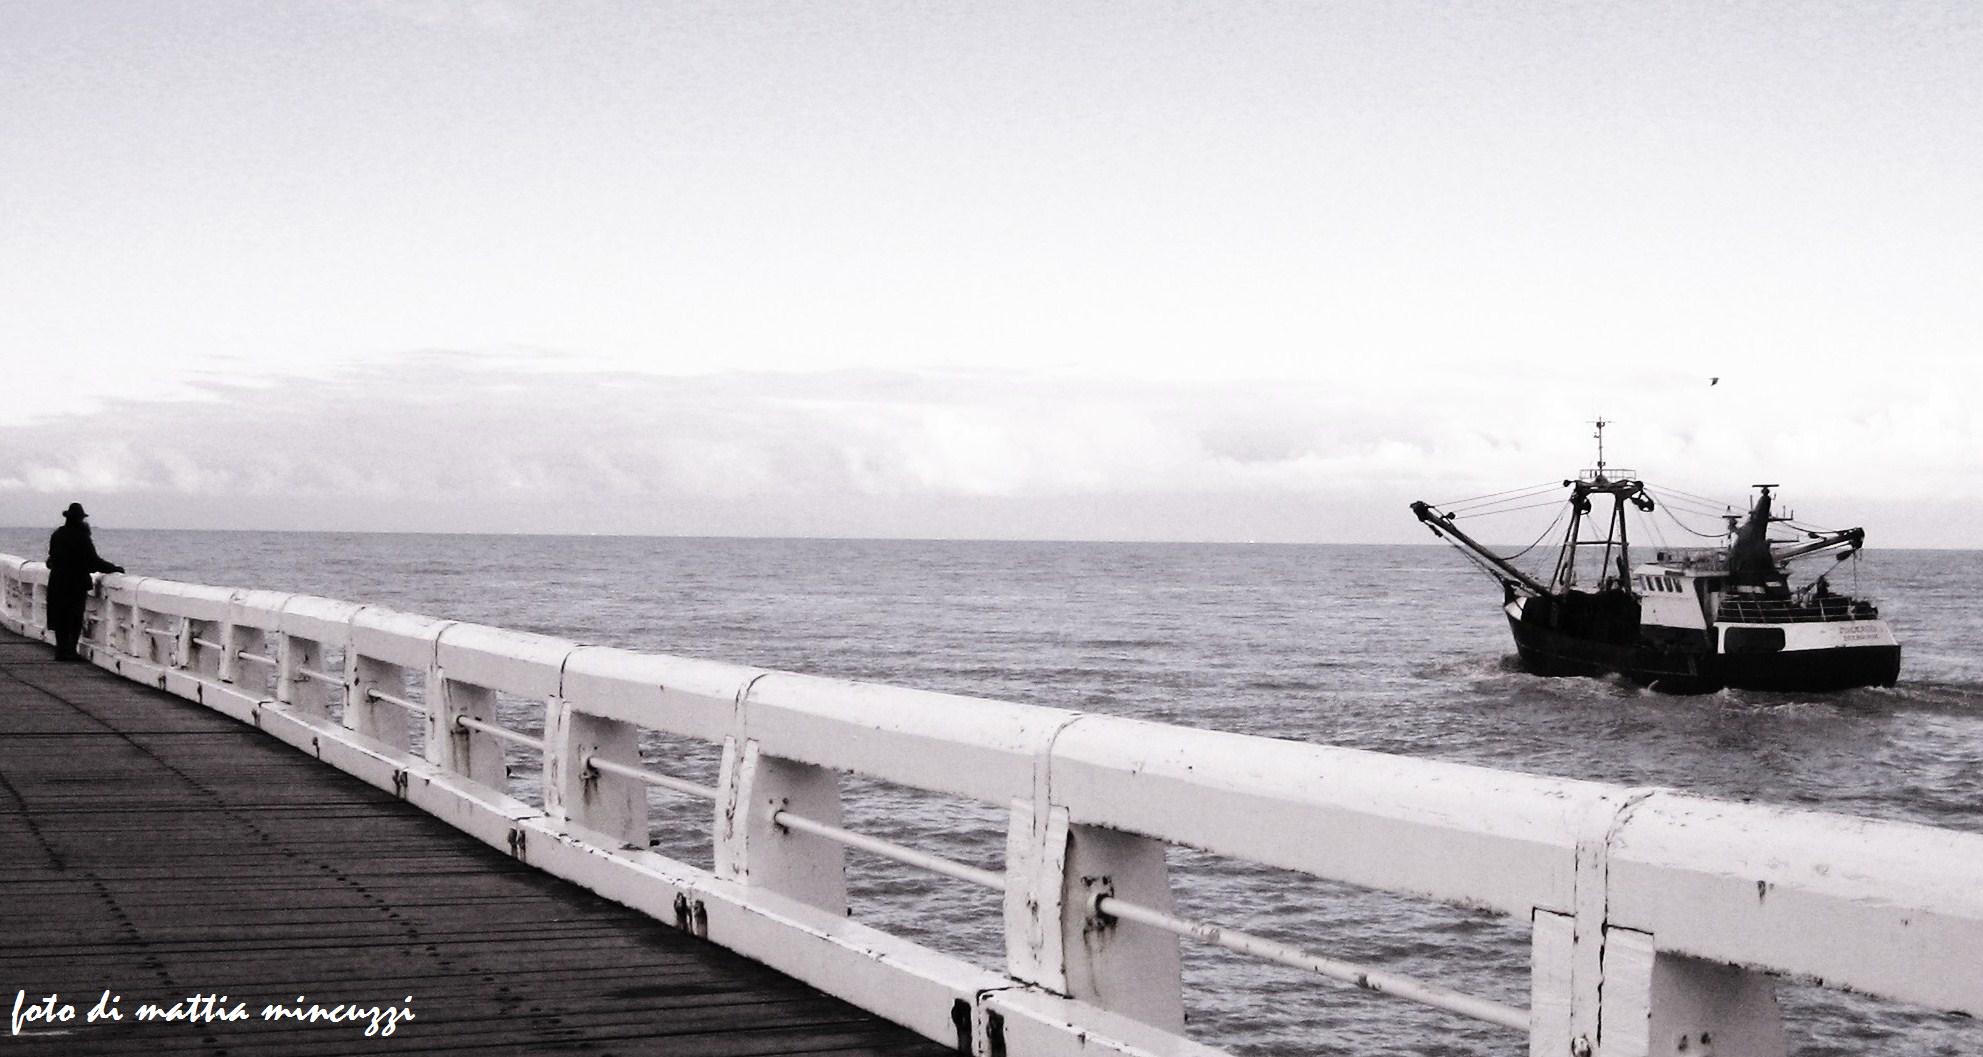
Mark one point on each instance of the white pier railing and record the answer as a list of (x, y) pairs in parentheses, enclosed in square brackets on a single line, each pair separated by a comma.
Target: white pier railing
[(1659, 919)]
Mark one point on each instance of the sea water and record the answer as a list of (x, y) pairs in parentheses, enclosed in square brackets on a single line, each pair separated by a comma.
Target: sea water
[(1398, 649)]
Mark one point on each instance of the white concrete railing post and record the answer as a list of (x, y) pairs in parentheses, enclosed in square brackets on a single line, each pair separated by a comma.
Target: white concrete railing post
[(755, 851), (457, 749), (371, 718), (605, 697), (386, 648), (574, 793), (1055, 870), (1657, 1004), (295, 655), (308, 630), (155, 650), (251, 615), (184, 653), (92, 621), (112, 633)]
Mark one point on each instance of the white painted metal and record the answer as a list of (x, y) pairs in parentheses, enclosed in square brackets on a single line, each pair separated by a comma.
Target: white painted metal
[(496, 730), (1334, 968), (890, 850), (1657, 917), (653, 778), (410, 706)]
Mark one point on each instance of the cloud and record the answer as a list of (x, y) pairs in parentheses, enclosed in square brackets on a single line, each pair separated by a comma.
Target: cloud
[(525, 441)]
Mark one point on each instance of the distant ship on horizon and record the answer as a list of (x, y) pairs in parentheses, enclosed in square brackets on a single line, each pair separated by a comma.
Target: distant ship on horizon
[(1692, 620)]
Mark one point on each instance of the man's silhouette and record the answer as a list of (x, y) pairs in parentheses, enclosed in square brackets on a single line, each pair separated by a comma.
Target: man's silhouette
[(72, 558)]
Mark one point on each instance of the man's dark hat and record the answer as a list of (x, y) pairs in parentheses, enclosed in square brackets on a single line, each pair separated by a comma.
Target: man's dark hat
[(75, 511)]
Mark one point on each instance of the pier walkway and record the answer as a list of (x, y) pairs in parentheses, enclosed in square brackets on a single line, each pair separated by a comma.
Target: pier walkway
[(162, 850), (273, 795)]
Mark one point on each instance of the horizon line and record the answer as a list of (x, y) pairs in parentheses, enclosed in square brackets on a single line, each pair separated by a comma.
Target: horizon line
[(835, 539)]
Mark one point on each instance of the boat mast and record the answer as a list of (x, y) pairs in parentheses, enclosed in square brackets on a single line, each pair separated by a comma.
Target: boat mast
[(1599, 482)]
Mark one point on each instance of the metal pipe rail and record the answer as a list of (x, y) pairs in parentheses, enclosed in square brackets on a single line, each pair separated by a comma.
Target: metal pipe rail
[(497, 731), (890, 850), (414, 707), (1649, 910), (1369, 979), (653, 778)]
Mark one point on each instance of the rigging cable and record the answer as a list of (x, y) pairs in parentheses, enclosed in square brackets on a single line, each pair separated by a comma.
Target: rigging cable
[(1491, 495), (1483, 506), (1691, 529), (1691, 506), (1509, 510), (1558, 519), (1697, 498)]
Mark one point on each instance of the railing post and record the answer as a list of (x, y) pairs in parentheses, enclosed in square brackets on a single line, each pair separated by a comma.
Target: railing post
[(112, 619), (611, 804), (750, 849), (294, 655), (1561, 1023), (182, 644), (454, 748), (238, 638), (96, 607), (206, 660), (1055, 939), (1657, 1004), (149, 648), (375, 719)]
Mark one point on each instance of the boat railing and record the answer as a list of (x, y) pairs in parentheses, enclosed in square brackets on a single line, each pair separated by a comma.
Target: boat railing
[(1649, 910), (1702, 559), (1609, 473), (1805, 610)]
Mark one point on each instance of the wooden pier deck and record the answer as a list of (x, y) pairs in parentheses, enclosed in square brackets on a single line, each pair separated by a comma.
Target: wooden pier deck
[(159, 850)]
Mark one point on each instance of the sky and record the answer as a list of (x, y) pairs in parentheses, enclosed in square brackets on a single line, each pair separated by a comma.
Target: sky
[(1239, 271)]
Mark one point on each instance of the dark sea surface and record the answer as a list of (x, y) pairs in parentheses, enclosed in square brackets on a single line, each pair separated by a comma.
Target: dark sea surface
[(1398, 649)]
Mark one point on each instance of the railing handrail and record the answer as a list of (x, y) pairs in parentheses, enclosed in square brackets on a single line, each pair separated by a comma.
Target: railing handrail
[(1767, 888)]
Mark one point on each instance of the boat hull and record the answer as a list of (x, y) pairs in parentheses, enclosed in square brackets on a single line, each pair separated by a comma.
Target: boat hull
[(1695, 665)]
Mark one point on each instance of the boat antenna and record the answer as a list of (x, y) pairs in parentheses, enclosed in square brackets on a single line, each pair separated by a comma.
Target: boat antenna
[(1600, 423)]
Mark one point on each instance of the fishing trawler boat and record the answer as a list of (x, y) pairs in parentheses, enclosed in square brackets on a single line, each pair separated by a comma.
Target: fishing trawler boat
[(1690, 620)]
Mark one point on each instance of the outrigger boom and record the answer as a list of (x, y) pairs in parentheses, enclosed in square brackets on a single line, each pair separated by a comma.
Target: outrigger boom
[(1499, 567)]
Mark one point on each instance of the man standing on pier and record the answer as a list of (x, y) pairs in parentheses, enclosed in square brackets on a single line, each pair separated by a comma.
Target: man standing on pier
[(72, 558)]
